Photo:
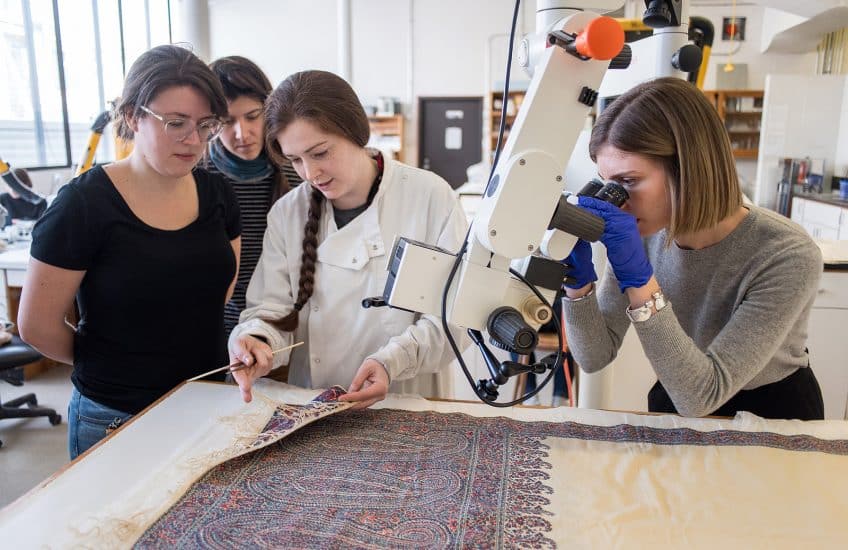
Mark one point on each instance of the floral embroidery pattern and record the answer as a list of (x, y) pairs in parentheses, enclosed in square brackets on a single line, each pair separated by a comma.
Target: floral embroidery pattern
[(287, 418), (386, 478)]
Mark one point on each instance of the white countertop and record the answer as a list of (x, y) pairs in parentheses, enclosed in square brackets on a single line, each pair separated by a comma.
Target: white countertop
[(833, 252), (16, 256)]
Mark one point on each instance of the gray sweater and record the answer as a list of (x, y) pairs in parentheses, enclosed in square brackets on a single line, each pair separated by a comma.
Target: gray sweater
[(737, 317)]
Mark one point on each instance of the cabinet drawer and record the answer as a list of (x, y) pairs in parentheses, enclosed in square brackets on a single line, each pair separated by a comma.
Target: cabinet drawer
[(822, 214), (797, 214), (833, 290)]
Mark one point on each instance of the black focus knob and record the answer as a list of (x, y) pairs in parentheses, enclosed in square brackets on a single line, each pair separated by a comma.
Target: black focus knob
[(508, 331), (623, 59), (687, 58)]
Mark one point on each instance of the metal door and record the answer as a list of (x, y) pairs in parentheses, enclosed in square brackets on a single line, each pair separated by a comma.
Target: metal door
[(450, 135)]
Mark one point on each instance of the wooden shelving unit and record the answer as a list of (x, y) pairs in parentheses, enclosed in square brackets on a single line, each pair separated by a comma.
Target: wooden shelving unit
[(496, 105), (741, 111), (387, 133)]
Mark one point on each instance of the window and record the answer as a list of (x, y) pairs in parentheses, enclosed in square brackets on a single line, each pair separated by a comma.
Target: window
[(63, 62)]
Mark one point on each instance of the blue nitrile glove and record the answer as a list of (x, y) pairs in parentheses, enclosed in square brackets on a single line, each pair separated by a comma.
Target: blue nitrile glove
[(625, 250), (582, 269)]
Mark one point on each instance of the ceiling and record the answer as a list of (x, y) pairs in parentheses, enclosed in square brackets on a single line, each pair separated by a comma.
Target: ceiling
[(816, 18), (804, 8)]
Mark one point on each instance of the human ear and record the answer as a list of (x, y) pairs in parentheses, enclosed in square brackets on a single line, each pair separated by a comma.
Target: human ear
[(130, 119)]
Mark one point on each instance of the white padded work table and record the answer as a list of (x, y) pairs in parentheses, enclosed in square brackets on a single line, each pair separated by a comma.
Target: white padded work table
[(601, 493)]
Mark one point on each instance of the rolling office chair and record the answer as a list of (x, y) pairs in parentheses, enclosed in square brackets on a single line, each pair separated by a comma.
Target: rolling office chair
[(16, 354)]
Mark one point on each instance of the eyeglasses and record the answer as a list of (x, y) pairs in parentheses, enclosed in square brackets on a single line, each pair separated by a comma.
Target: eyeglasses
[(179, 129)]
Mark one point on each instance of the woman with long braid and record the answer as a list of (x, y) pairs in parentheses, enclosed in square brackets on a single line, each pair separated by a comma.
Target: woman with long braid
[(326, 248)]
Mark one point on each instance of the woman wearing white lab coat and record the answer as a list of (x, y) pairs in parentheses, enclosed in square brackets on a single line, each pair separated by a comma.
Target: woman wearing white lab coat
[(326, 249)]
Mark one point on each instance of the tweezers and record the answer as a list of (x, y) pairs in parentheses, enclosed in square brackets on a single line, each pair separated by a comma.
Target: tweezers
[(238, 365)]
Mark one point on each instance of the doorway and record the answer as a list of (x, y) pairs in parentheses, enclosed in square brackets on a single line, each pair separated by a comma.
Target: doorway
[(450, 136)]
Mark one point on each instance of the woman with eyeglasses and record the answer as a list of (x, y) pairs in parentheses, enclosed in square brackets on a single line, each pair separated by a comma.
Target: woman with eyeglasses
[(149, 245), (238, 155)]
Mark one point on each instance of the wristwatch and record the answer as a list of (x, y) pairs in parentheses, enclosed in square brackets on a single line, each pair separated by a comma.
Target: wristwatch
[(644, 312)]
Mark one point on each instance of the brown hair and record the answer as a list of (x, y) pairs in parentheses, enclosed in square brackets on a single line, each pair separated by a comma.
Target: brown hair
[(239, 76), (161, 68), (329, 102), (672, 122), (23, 175)]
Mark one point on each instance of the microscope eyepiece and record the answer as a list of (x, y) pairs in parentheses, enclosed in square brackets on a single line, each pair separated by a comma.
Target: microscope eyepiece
[(607, 191), (613, 193)]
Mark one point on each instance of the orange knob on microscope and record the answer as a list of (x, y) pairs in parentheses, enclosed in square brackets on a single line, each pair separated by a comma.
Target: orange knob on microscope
[(602, 39)]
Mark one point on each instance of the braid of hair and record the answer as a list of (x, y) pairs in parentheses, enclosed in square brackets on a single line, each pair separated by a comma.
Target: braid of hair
[(306, 284)]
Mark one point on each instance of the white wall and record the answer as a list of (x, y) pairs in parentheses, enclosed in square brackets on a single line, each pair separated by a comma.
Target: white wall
[(190, 23), (445, 56), (775, 22), (840, 167), (408, 48), (380, 36), (801, 117), (759, 64), (281, 36)]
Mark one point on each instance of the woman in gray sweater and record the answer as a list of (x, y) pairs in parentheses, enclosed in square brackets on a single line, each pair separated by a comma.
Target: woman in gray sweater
[(719, 292)]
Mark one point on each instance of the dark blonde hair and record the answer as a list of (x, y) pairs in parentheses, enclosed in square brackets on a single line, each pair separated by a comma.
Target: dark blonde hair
[(241, 77), (329, 102), (672, 122), (161, 68)]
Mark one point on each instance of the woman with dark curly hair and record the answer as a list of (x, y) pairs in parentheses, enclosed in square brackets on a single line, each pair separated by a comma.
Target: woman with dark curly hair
[(238, 155)]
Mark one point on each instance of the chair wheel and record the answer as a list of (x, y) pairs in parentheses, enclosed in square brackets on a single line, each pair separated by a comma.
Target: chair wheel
[(55, 419), (32, 402)]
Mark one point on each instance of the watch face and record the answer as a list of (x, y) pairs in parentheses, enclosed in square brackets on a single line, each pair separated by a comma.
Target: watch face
[(639, 314)]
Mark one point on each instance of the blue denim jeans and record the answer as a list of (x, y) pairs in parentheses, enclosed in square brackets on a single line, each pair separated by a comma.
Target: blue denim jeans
[(89, 422)]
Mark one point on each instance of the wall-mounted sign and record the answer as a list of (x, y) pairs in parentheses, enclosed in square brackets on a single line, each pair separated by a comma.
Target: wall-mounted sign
[(733, 28)]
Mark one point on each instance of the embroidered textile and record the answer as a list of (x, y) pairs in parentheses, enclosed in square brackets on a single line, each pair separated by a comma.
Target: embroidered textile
[(416, 473), (388, 478)]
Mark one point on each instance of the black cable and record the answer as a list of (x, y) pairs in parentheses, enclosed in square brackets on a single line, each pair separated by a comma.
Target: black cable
[(462, 250), (502, 126)]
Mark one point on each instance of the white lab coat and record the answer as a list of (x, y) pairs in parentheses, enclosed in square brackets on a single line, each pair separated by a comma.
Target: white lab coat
[(338, 333)]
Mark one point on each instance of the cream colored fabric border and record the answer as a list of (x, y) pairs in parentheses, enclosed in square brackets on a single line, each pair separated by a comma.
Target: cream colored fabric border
[(606, 494), (825, 429)]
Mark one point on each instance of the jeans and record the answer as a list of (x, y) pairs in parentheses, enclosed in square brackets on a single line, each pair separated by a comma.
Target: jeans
[(89, 422)]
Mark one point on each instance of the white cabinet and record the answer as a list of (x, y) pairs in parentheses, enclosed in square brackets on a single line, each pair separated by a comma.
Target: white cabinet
[(826, 342), (822, 221), (843, 226)]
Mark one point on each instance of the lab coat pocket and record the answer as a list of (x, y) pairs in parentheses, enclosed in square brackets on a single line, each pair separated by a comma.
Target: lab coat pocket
[(343, 252)]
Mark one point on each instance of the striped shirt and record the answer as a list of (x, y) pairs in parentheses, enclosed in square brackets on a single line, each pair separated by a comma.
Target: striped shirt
[(254, 200)]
